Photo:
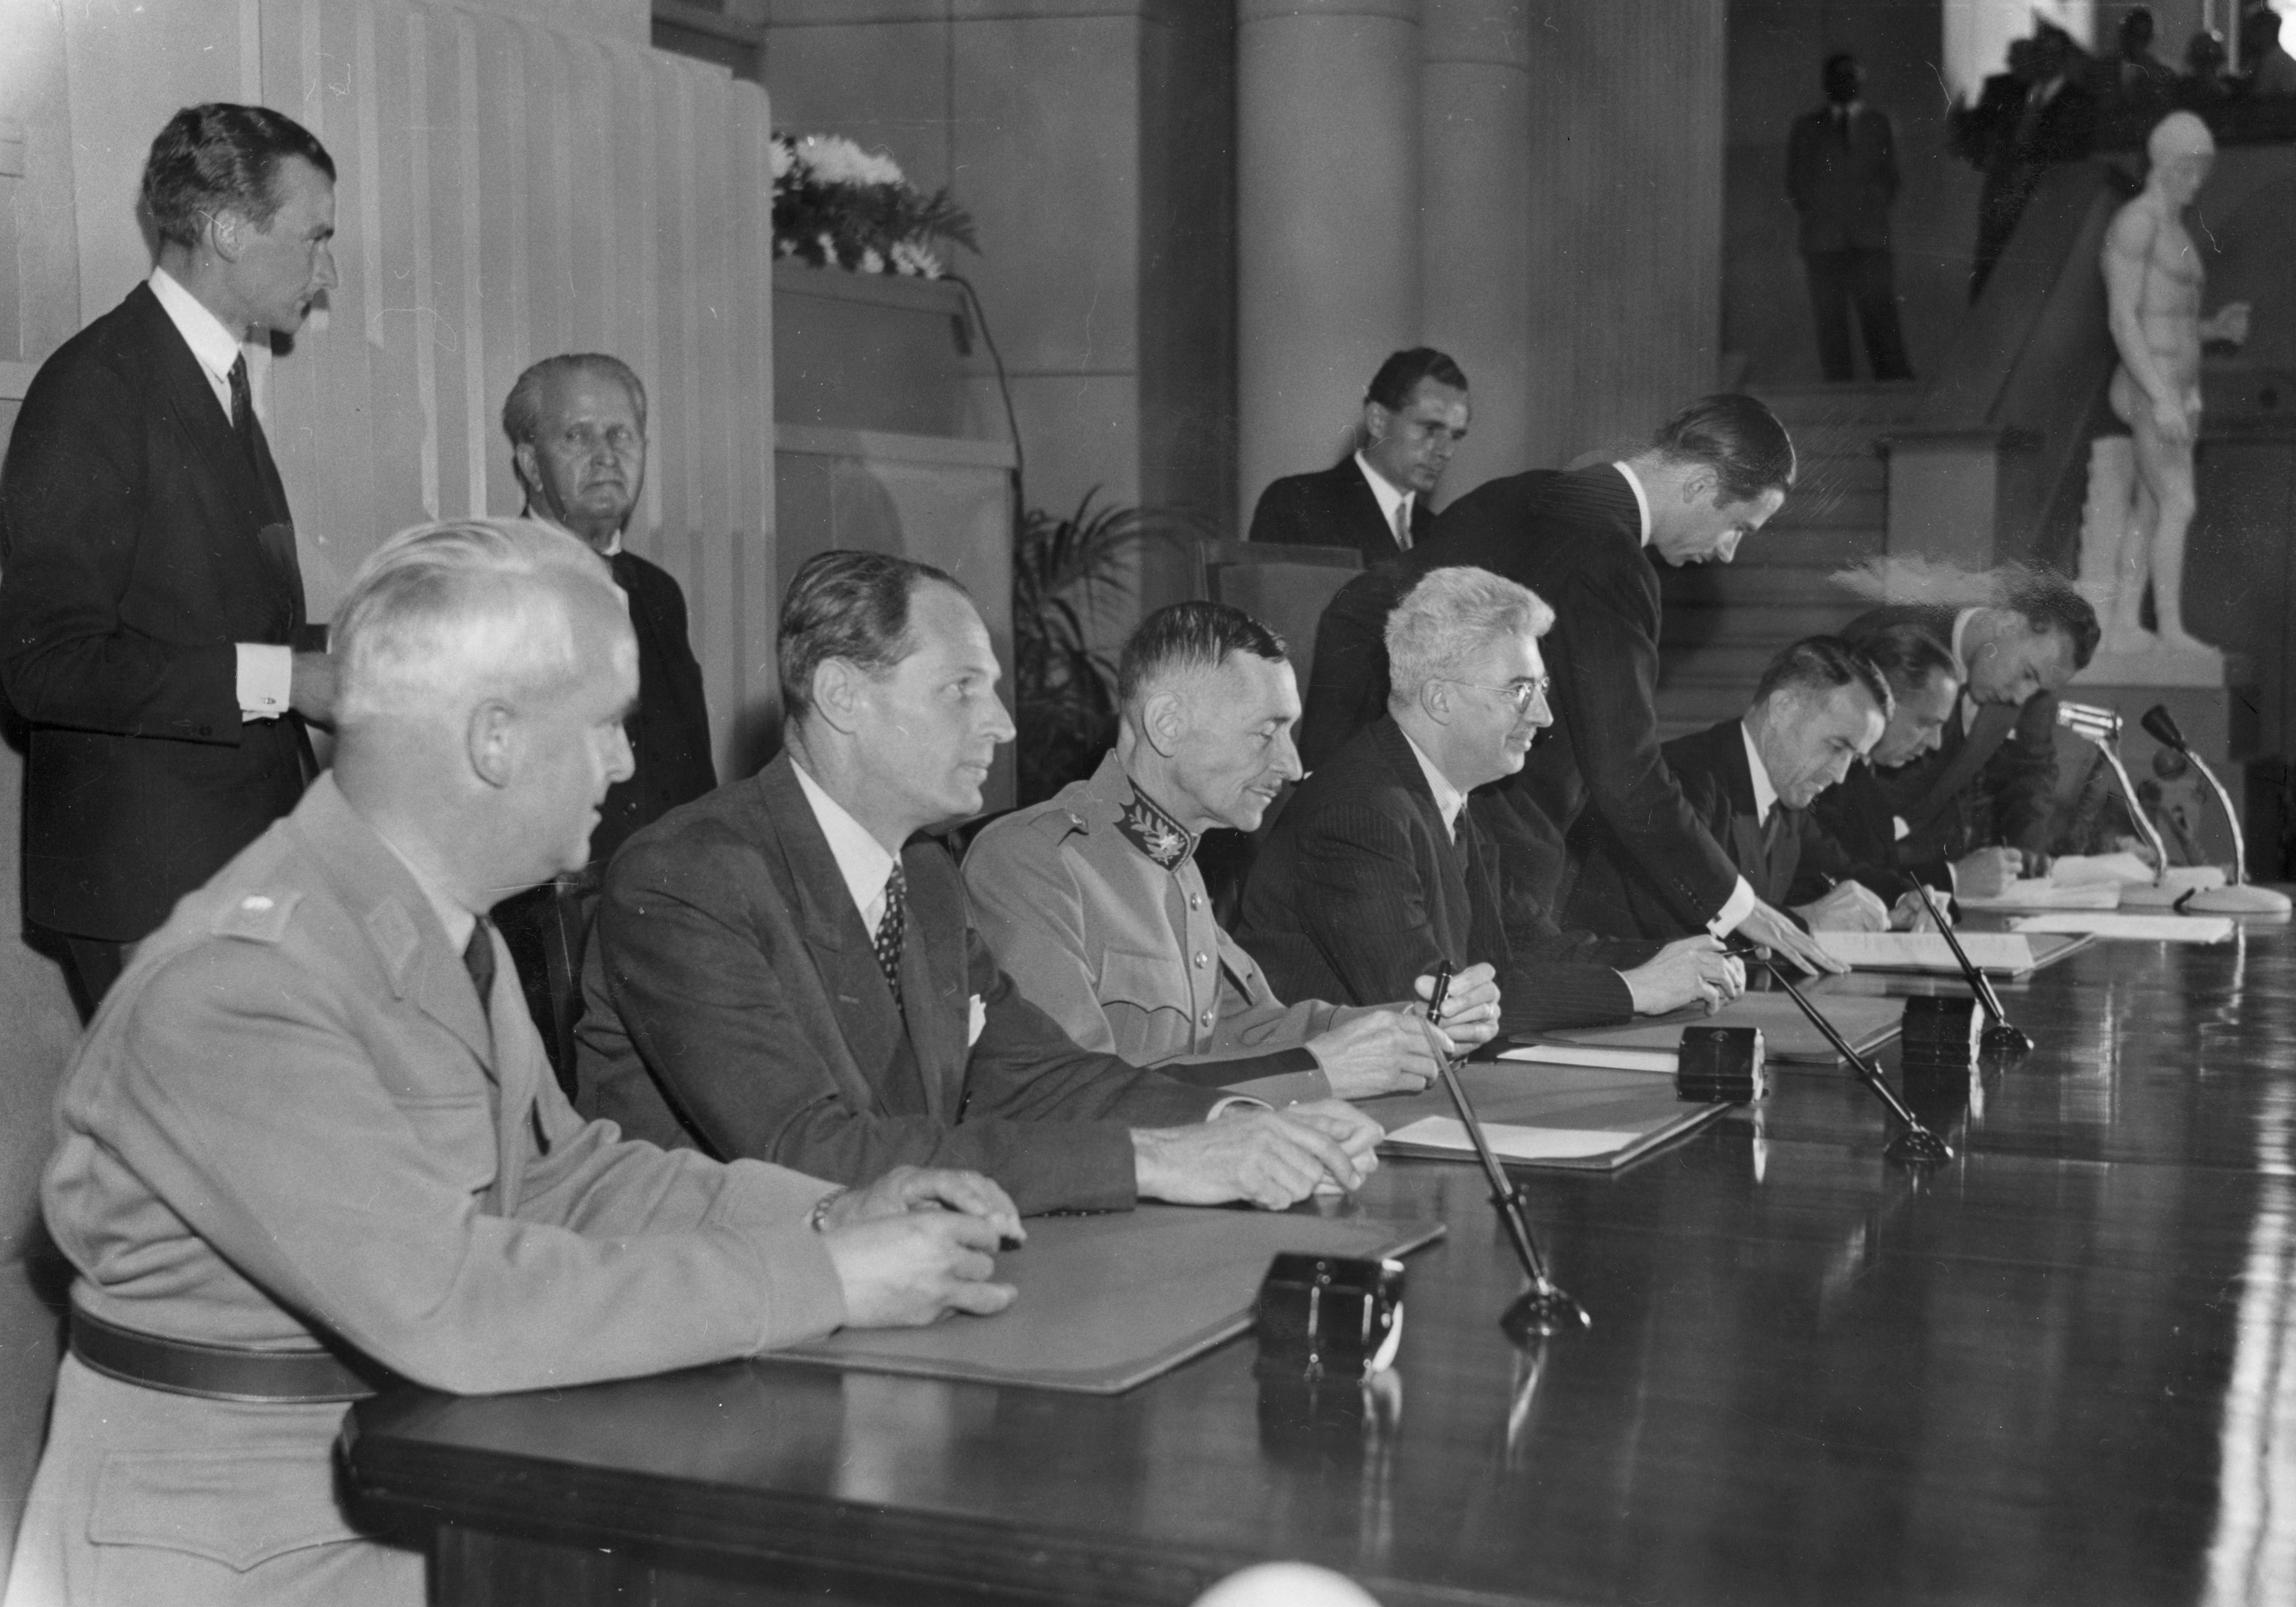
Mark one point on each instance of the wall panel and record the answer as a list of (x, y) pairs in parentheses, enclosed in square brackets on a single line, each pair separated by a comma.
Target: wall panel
[(505, 190)]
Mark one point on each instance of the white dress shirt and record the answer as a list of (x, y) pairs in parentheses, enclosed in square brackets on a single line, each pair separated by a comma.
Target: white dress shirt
[(1389, 501), (1449, 799), (1740, 902), (861, 859), (1765, 794), (264, 671)]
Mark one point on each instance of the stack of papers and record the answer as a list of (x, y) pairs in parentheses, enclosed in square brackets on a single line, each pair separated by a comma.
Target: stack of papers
[(2011, 953), (1446, 1133), (2043, 892), (1660, 1061)]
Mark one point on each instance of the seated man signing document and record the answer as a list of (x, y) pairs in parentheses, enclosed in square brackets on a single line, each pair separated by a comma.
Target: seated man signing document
[(1378, 872), (312, 1140), (1095, 907), (779, 972)]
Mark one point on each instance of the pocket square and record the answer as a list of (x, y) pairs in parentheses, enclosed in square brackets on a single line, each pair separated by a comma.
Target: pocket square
[(977, 1018)]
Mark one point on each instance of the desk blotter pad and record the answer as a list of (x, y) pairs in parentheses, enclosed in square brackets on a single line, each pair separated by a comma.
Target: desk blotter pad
[(1639, 1109), (1109, 1301)]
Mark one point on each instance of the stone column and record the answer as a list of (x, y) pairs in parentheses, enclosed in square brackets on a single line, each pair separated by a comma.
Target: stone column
[(1327, 221), (1475, 222)]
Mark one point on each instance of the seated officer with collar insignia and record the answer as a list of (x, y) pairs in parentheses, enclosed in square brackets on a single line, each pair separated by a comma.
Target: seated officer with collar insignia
[(1094, 907)]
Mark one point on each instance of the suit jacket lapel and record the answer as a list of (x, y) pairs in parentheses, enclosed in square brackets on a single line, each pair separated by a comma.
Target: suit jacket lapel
[(1751, 850), (1453, 856), (844, 956), (1958, 763), (933, 969)]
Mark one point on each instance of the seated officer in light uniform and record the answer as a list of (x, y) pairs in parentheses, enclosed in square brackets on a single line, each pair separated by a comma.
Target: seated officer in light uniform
[(1096, 910)]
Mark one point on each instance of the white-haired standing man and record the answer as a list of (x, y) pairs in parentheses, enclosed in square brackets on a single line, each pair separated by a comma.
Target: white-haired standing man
[(312, 1143)]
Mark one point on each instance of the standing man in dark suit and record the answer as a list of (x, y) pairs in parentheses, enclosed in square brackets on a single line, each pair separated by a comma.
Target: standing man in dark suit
[(2017, 137), (1982, 802), (780, 971), (1841, 175), (152, 616), (577, 435), (1375, 499), (576, 426), (1582, 540), (1819, 708), (1377, 871)]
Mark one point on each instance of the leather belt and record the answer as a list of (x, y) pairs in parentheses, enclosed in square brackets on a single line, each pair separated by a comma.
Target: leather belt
[(221, 1372)]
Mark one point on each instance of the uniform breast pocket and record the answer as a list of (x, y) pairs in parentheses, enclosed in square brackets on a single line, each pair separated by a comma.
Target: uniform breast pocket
[(1148, 995), (457, 1132)]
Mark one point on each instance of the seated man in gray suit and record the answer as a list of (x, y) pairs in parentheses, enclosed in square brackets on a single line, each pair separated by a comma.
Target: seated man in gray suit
[(1819, 708), (780, 972), (1378, 872)]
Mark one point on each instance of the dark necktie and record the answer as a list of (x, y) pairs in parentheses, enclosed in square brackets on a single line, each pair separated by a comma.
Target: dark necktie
[(243, 407), (1776, 830), (479, 960), (892, 926)]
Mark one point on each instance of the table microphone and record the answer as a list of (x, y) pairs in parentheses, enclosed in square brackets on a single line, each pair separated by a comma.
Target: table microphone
[(1916, 1145), (2000, 1036), (2242, 897), (1543, 1308)]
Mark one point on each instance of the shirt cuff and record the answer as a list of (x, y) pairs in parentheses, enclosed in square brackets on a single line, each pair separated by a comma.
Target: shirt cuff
[(1236, 1101), (266, 677), (1734, 909)]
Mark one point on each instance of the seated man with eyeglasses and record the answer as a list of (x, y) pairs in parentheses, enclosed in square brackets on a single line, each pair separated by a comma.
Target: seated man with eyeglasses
[(1377, 873)]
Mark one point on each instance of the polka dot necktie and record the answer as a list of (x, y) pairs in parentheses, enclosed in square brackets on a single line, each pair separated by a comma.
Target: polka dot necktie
[(892, 926)]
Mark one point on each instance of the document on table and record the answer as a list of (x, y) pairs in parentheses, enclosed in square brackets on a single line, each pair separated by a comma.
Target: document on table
[(1510, 1143), (2011, 953), (2144, 929), (1579, 1117), (2042, 892), (1660, 1061)]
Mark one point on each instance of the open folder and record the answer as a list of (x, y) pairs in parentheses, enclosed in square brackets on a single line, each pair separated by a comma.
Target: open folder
[(1581, 1117)]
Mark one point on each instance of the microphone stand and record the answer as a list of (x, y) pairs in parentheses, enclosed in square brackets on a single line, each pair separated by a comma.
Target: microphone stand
[(1916, 1145), (1543, 1308), (2242, 896), (2000, 1036)]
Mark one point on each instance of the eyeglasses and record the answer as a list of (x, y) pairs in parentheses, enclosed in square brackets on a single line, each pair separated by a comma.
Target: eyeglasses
[(1522, 695)]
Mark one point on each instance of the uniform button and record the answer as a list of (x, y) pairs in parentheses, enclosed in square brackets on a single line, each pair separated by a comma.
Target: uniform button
[(1196, 901), (1202, 960), (1206, 1017)]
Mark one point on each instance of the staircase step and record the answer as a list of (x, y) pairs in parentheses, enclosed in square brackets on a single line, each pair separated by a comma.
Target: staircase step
[(1824, 504), (1736, 661), (1717, 586)]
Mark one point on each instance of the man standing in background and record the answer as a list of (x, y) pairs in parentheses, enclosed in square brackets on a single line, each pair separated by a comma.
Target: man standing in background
[(1841, 175), (152, 630)]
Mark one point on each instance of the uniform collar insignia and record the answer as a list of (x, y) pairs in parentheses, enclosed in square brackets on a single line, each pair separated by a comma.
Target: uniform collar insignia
[(1156, 833)]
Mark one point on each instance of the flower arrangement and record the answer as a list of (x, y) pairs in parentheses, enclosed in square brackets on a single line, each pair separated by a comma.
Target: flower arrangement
[(836, 205)]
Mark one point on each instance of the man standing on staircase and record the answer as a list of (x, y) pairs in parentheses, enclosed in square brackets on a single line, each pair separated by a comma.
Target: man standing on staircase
[(1716, 471), (1841, 175)]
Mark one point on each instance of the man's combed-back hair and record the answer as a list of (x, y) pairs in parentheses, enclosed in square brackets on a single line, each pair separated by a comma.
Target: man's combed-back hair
[(1735, 436), (1400, 376), (217, 156), (849, 605), (1820, 664), (522, 418), (1188, 638), (443, 614), (1448, 618), (2049, 602), (1906, 655)]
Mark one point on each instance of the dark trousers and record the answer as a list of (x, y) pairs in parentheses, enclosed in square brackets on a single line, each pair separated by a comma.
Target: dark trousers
[(1837, 279), (91, 965)]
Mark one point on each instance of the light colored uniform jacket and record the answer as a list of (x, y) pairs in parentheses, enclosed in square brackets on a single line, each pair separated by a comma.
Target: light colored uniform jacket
[(1097, 912), (291, 1120)]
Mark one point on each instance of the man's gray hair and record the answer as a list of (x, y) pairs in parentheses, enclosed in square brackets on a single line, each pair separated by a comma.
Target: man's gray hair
[(443, 614), (521, 417), (1450, 616)]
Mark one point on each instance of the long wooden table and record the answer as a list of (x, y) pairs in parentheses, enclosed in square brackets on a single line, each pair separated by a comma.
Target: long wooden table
[(2061, 1369)]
